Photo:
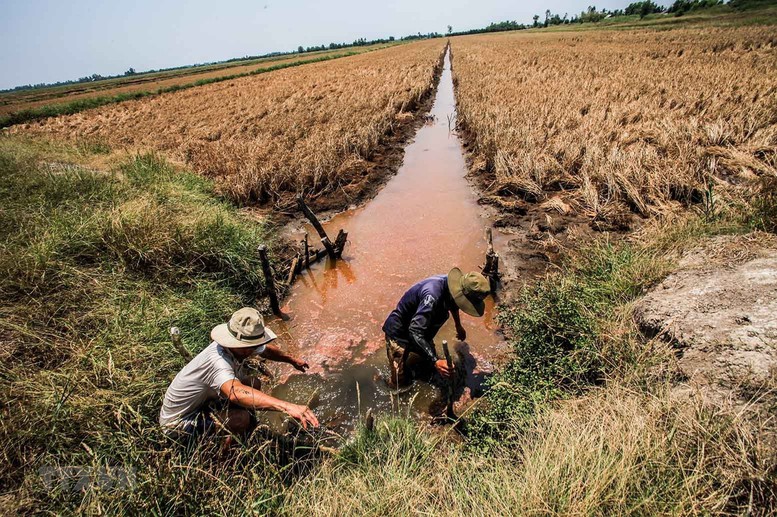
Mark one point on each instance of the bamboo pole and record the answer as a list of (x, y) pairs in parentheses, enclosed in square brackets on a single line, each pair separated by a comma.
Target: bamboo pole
[(292, 270)]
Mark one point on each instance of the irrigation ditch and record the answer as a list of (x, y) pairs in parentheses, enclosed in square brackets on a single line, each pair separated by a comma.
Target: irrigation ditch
[(421, 221)]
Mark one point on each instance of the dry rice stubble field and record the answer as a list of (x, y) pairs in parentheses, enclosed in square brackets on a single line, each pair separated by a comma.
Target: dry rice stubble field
[(314, 129), (149, 82), (615, 124)]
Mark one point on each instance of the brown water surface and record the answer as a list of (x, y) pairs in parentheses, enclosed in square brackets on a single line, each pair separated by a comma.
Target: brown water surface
[(423, 222)]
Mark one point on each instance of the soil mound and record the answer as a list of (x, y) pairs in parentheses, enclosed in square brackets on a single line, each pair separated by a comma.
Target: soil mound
[(719, 309)]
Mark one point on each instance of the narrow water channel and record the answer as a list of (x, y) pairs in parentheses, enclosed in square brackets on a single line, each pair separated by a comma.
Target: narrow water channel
[(423, 222)]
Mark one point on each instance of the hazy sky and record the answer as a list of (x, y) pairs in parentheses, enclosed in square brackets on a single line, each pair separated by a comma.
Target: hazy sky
[(51, 40)]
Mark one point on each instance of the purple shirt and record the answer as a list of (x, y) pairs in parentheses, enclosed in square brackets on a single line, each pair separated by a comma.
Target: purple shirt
[(420, 313)]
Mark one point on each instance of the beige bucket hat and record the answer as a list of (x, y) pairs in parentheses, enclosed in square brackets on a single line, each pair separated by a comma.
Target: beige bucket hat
[(245, 329), (469, 291)]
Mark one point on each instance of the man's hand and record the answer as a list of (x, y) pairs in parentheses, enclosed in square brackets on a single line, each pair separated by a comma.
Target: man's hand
[(300, 365), (302, 414), (442, 368), (461, 334)]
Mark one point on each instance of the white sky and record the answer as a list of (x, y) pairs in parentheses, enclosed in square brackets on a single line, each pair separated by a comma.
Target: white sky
[(52, 40)]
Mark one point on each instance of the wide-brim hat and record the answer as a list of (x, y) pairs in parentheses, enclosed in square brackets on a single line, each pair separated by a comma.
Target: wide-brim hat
[(469, 291), (245, 329)]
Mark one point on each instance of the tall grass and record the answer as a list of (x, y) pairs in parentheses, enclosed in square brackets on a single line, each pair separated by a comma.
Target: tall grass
[(94, 268)]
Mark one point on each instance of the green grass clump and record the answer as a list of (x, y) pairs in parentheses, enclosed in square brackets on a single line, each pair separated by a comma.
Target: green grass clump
[(558, 328), (94, 269)]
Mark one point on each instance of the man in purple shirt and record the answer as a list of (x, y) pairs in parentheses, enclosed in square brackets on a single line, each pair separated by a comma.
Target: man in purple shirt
[(422, 310)]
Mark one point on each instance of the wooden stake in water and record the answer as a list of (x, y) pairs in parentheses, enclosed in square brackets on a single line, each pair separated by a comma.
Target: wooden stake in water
[(491, 268), (330, 249), (307, 251), (449, 409)]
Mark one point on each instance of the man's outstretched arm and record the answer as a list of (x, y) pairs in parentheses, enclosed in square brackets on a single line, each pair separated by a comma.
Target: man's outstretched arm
[(250, 398), (273, 353)]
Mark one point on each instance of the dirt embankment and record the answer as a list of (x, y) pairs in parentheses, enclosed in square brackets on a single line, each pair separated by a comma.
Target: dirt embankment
[(719, 311)]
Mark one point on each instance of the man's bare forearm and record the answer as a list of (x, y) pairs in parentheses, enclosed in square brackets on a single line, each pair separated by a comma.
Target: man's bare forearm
[(250, 398), (273, 353)]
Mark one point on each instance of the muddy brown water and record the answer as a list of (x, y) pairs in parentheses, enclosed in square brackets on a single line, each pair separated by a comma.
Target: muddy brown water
[(423, 222)]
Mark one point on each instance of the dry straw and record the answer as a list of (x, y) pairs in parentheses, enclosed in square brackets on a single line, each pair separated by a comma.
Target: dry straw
[(620, 120), (310, 129)]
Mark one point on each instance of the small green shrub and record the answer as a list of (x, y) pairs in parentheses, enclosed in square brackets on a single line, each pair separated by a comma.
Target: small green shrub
[(556, 331)]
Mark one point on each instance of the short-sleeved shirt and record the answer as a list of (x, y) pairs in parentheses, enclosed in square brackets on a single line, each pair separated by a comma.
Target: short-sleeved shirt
[(424, 308), (198, 382)]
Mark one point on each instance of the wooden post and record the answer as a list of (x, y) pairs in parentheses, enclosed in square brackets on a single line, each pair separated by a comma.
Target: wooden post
[(292, 270), (342, 238), (491, 268), (268, 280), (175, 335), (307, 252), (449, 409), (317, 225)]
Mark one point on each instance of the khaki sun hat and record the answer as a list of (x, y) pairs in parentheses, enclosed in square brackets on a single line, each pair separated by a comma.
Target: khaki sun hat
[(469, 291), (245, 329)]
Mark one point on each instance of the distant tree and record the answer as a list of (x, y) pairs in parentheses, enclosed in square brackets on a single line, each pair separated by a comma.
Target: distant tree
[(131, 71), (536, 18), (450, 30), (300, 49), (591, 15), (681, 7), (643, 8)]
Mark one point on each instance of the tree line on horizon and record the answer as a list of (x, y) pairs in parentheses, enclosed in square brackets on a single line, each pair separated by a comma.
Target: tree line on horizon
[(590, 15), (593, 15)]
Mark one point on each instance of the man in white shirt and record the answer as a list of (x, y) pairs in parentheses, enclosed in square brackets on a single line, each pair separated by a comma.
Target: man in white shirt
[(212, 387)]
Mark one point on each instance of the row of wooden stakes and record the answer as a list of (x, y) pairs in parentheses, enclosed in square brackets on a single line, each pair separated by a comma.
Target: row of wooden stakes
[(334, 250), (305, 257)]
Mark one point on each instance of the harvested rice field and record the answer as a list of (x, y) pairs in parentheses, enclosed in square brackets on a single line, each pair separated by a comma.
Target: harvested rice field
[(619, 123), (15, 101), (313, 129)]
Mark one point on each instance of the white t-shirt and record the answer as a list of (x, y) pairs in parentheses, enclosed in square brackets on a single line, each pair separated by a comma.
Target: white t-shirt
[(199, 382)]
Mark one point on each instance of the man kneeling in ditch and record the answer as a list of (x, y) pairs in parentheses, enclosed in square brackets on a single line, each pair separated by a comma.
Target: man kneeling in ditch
[(213, 388), (422, 311)]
